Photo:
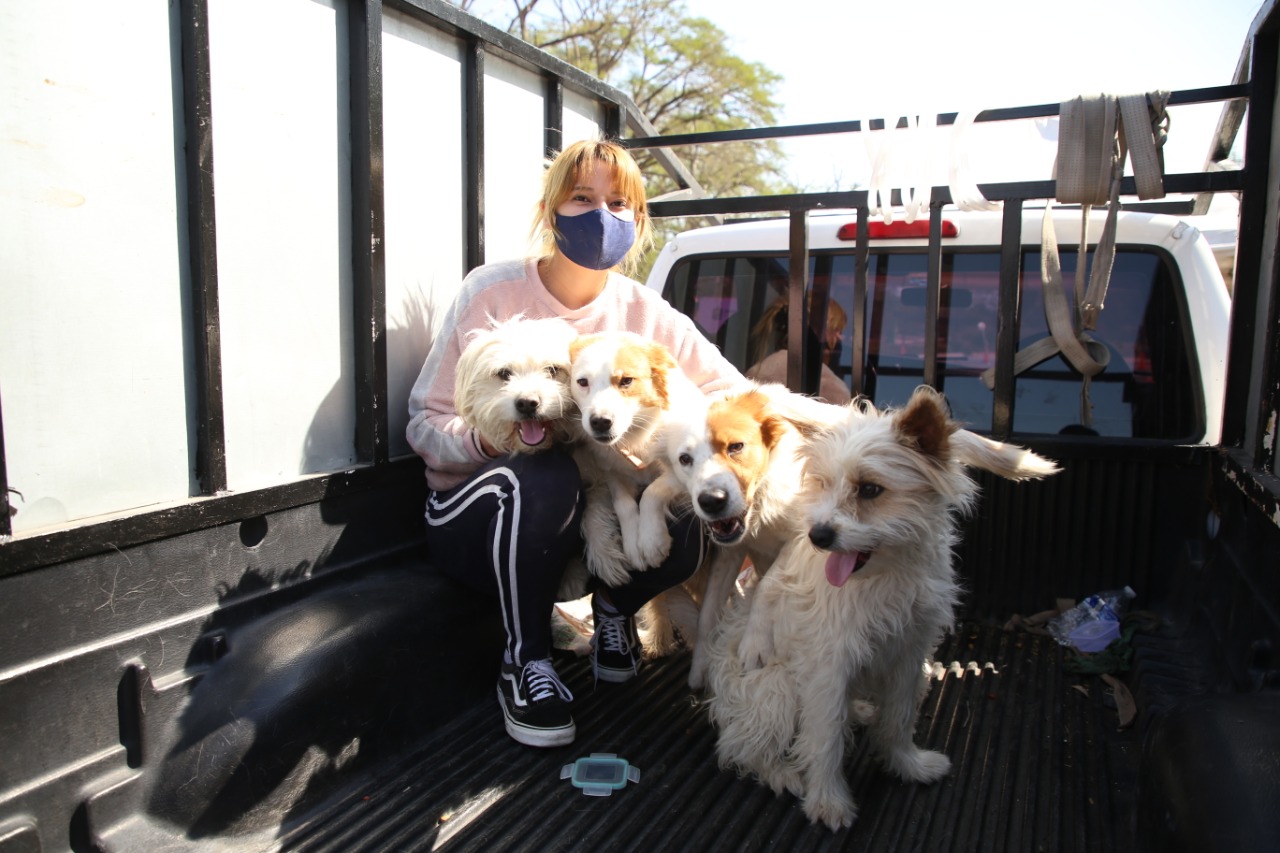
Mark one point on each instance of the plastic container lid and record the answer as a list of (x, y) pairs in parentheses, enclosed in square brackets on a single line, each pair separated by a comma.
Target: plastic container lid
[(1095, 635)]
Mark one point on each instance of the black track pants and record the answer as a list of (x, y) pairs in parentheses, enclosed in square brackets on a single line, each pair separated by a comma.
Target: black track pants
[(510, 530)]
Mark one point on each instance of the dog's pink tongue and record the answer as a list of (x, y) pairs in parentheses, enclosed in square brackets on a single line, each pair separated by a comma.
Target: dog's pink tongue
[(532, 433), (841, 566)]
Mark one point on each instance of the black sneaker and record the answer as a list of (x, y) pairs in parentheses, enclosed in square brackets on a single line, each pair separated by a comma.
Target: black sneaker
[(615, 646), (535, 704)]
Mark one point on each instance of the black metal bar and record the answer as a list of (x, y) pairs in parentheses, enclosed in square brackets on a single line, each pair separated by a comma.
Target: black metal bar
[(797, 273), (1189, 182), (473, 145), (672, 165), (447, 17), (861, 256), (210, 438), (6, 519), (613, 122), (1007, 319), (1243, 418), (553, 118), (1267, 361), (933, 296), (815, 341), (85, 540), (368, 233), (1188, 96)]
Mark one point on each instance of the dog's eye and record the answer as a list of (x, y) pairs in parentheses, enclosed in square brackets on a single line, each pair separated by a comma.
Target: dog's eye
[(625, 382), (504, 374), (735, 447), (686, 460), (582, 382), (553, 370), (870, 491)]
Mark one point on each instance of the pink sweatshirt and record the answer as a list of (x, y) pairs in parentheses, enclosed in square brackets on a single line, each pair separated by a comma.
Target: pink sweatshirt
[(502, 290)]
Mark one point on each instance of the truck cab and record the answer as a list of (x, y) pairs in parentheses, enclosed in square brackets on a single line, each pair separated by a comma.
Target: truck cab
[(1164, 323)]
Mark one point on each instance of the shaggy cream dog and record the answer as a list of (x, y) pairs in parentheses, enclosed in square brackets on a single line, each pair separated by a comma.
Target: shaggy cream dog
[(853, 606), (512, 383)]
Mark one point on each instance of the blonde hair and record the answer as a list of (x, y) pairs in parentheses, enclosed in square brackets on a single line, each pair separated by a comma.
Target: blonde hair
[(563, 174)]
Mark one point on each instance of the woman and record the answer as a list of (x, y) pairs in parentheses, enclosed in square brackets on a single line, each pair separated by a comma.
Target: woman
[(591, 222)]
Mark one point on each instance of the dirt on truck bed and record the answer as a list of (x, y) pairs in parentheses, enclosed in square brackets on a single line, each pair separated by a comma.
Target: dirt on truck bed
[(1040, 763)]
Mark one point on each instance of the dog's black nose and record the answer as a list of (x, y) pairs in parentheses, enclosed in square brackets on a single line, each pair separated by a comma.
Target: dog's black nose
[(527, 407), (822, 535), (713, 500), (599, 424)]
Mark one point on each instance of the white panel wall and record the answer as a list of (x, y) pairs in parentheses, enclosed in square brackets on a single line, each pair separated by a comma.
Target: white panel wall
[(96, 338), (424, 176), (92, 355), (514, 120), (583, 118), (282, 169)]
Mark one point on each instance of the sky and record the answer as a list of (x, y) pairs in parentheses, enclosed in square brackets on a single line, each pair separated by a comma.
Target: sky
[(853, 59)]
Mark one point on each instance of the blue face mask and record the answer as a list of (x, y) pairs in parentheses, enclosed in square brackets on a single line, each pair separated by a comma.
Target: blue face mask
[(597, 239)]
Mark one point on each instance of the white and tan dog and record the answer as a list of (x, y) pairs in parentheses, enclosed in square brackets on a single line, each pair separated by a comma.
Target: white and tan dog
[(736, 463), (625, 386), (512, 383), (854, 605)]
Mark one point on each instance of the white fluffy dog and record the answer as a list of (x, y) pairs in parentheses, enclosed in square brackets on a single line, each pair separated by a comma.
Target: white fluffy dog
[(512, 383), (625, 386), (854, 605)]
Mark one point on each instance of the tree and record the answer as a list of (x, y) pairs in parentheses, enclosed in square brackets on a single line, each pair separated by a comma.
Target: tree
[(680, 73)]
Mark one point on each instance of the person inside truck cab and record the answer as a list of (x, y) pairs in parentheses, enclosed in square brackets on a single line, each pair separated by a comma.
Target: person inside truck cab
[(769, 336), (591, 225)]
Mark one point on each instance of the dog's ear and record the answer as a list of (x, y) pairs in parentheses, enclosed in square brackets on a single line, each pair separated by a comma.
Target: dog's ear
[(772, 429), (773, 425), (1006, 460), (924, 423), (465, 375), (661, 362), (578, 344), (660, 357)]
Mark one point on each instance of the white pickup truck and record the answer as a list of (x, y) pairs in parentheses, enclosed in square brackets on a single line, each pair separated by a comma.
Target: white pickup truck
[(1164, 320)]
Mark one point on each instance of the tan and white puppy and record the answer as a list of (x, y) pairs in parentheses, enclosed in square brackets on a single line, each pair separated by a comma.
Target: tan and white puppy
[(735, 461), (512, 383), (625, 386), (854, 604)]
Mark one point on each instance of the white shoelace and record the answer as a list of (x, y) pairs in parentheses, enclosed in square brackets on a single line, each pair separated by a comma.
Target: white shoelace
[(613, 634), (541, 682)]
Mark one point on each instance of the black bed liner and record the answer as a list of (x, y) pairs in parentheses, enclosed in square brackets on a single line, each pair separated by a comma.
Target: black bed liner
[(1038, 764)]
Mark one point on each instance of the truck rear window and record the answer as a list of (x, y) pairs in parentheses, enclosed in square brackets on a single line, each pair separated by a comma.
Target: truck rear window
[(1146, 391)]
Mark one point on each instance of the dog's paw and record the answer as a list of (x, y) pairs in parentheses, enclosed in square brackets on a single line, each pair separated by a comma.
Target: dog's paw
[(921, 765), (652, 544), (755, 649), (610, 572), (833, 807), (783, 778), (698, 668)]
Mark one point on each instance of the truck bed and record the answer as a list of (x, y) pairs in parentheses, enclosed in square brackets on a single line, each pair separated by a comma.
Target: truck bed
[(1039, 763)]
